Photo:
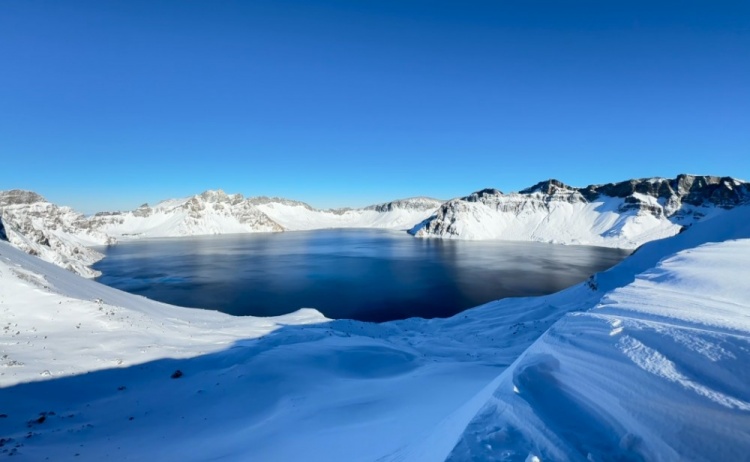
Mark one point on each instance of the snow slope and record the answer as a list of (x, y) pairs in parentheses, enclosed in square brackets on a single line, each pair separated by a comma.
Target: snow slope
[(89, 358), (625, 214), (657, 370), (645, 361)]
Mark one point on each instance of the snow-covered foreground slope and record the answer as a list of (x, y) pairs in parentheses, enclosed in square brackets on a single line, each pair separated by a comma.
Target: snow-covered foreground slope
[(292, 388), (650, 364), (657, 370), (625, 214)]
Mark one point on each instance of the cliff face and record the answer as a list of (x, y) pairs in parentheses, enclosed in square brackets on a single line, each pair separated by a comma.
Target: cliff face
[(56, 234), (624, 214), (62, 236)]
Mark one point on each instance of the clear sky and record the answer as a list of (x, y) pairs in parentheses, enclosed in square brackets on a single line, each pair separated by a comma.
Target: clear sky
[(109, 104)]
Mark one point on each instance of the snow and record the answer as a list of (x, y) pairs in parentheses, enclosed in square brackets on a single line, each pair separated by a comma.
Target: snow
[(624, 215), (50, 232), (214, 212), (657, 370), (298, 218), (645, 361), (529, 218)]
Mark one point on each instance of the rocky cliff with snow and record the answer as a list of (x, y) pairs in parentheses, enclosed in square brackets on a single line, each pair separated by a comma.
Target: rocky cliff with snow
[(56, 234), (212, 212), (62, 236), (215, 212), (625, 214), (400, 214)]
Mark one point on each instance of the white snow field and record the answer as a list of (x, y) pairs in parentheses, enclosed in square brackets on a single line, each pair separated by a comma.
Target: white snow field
[(647, 361)]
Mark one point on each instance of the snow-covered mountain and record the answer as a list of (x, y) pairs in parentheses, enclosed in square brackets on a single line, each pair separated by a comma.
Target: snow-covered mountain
[(212, 212), (647, 361), (400, 214), (625, 214), (61, 235), (56, 234), (215, 212)]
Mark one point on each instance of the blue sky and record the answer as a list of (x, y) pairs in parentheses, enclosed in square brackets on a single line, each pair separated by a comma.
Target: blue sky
[(106, 105)]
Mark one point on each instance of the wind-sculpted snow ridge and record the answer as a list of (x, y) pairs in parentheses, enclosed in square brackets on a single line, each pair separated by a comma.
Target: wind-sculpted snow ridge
[(646, 361), (56, 234), (625, 214), (657, 370)]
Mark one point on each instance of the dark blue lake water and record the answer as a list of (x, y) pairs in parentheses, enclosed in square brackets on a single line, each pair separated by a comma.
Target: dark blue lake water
[(371, 275)]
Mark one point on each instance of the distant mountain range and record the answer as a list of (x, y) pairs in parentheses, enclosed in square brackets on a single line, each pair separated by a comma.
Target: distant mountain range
[(625, 214)]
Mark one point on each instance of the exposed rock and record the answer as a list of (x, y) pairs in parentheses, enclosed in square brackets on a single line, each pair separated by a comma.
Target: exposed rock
[(18, 197), (550, 186), (277, 200), (56, 234), (480, 196), (524, 215), (415, 203)]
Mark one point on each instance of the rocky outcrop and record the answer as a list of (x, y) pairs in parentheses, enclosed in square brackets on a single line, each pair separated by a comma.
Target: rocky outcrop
[(262, 200), (19, 197), (415, 203), (623, 214), (664, 205), (56, 234), (3, 234), (210, 212)]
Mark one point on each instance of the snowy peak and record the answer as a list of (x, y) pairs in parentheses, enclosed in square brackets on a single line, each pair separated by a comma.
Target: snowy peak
[(690, 189), (412, 203), (210, 212), (56, 234), (398, 214), (548, 187), (264, 200), (60, 235), (218, 196), (216, 212), (19, 197), (480, 196), (624, 214)]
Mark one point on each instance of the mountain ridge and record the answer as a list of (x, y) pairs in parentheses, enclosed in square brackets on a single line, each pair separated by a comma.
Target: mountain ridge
[(623, 214)]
